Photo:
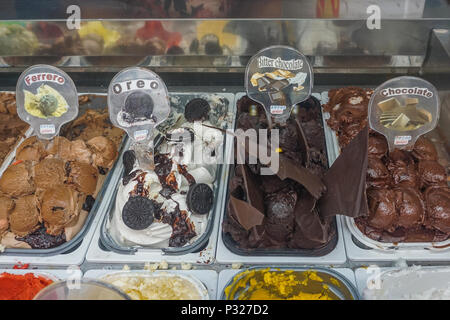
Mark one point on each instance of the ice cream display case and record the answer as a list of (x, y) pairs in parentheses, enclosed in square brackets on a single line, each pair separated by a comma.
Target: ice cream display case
[(341, 198)]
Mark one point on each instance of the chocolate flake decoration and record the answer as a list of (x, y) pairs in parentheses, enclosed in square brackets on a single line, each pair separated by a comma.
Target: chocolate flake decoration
[(346, 180), (245, 214), (252, 190), (303, 143)]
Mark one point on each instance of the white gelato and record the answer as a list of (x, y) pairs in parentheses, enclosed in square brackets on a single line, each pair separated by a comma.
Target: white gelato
[(415, 283), (200, 160)]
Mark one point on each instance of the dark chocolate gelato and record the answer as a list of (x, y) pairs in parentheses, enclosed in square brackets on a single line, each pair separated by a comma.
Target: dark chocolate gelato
[(287, 210), (407, 192)]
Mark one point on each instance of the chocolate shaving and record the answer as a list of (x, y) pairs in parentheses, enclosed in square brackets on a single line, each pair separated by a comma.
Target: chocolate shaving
[(247, 215), (346, 181)]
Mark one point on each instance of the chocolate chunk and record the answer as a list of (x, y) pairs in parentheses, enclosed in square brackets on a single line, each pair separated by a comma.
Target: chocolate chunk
[(138, 213), (200, 198), (197, 110), (129, 158), (88, 203)]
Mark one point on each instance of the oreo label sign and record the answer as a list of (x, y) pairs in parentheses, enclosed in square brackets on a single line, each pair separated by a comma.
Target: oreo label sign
[(131, 85), (137, 101)]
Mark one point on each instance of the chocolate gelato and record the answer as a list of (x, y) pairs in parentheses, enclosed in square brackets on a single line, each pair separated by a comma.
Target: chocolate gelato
[(24, 218), (348, 112), (407, 192), (46, 195), (6, 207), (11, 126), (59, 206), (16, 180), (290, 209), (49, 173), (82, 176)]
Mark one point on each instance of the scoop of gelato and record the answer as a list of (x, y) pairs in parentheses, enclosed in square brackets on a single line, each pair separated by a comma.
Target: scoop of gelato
[(279, 223), (82, 176), (31, 149), (16, 180), (409, 206), (377, 146), (49, 173), (438, 208), (59, 207), (431, 173), (60, 147), (382, 214), (377, 173), (80, 152), (104, 150), (403, 169), (24, 218), (6, 207), (424, 149)]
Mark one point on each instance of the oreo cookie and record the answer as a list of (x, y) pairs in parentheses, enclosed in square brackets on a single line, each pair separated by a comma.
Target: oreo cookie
[(200, 198), (197, 110), (138, 106), (129, 158), (138, 213)]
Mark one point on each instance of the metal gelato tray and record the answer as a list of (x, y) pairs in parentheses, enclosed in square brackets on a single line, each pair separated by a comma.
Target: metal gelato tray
[(204, 278), (361, 248), (341, 281), (109, 242), (232, 251), (10, 255)]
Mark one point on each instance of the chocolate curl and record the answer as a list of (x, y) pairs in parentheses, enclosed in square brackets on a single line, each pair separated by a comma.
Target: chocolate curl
[(245, 214), (310, 231), (304, 147), (248, 213), (346, 181), (290, 169)]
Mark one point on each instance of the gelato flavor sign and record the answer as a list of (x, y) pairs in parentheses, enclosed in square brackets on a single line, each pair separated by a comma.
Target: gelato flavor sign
[(138, 101), (46, 99), (279, 77), (402, 109)]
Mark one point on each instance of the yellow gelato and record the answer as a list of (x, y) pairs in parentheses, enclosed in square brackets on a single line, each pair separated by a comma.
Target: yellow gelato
[(268, 284), (110, 37), (46, 103)]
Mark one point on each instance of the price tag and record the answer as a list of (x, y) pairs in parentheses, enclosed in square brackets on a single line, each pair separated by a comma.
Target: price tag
[(278, 77), (403, 109), (46, 99)]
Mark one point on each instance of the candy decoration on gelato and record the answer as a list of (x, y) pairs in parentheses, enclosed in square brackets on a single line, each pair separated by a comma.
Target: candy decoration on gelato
[(200, 198), (138, 213), (197, 110)]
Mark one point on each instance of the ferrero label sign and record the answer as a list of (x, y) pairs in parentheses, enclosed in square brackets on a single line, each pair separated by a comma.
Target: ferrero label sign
[(402, 109)]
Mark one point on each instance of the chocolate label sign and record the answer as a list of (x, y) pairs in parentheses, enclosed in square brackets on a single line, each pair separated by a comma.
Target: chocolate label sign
[(46, 98), (402, 109), (278, 77), (138, 101)]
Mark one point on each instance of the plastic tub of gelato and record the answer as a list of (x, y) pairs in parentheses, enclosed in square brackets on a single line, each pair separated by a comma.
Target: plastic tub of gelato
[(23, 284), (283, 238), (85, 289), (161, 285), (411, 283), (272, 283), (408, 194), (66, 179), (182, 194)]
